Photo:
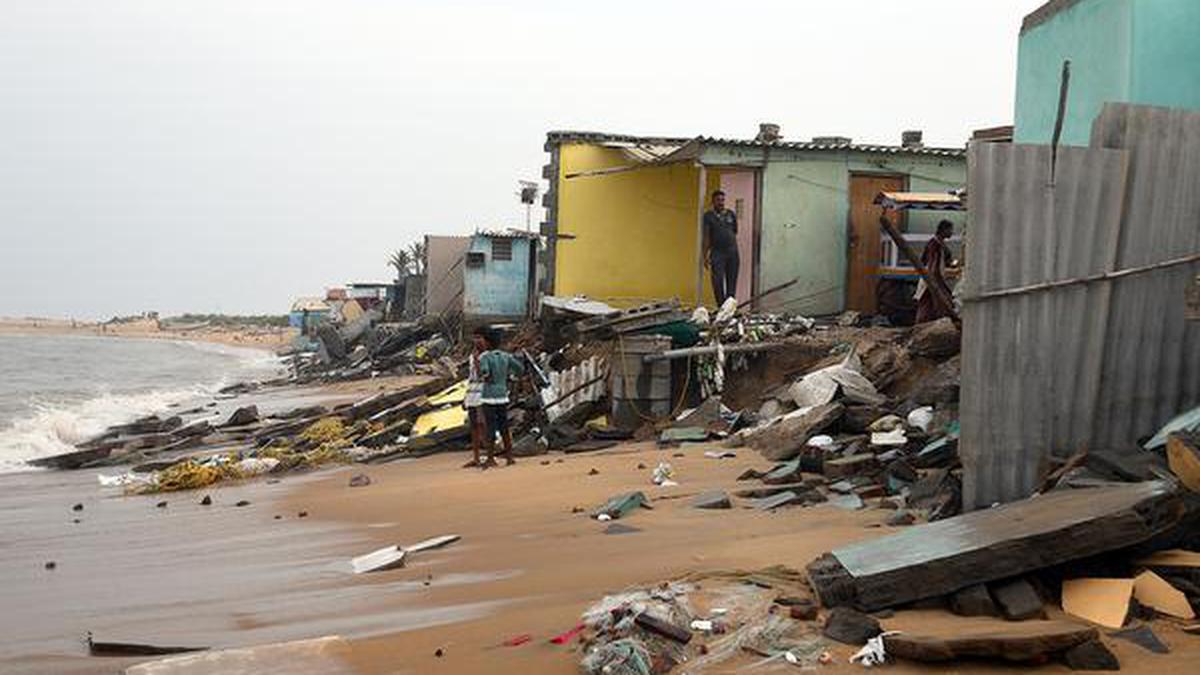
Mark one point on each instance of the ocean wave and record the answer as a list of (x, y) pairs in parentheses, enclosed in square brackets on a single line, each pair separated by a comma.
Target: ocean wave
[(66, 407), (53, 429)]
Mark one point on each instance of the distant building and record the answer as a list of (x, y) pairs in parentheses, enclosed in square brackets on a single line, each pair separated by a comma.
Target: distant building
[(444, 273), (487, 277), (499, 276), (1127, 51), (315, 310), (624, 213)]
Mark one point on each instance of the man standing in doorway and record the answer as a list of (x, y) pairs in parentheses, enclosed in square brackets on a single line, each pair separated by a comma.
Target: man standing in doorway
[(721, 248)]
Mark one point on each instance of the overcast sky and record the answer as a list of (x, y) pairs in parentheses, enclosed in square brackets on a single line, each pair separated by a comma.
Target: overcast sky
[(229, 155)]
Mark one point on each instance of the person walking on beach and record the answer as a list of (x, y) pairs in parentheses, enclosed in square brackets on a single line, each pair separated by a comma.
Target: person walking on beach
[(473, 401), (496, 367), (721, 248)]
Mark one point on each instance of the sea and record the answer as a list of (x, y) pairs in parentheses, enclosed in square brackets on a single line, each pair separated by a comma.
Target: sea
[(78, 558), (59, 390)]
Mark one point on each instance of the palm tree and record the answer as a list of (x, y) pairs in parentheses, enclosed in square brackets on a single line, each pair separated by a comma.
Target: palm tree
[(416, 252), (401, 260)]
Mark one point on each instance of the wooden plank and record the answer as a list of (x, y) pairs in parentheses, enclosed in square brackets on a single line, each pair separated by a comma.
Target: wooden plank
[(1019, 642), (940, 558)]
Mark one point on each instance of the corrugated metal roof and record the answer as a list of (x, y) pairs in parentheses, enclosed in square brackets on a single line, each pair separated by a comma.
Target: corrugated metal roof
[(310, 304), (839, 147), (683, 144)]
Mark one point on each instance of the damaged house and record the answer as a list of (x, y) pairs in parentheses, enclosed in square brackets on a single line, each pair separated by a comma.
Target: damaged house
[(624, 214)]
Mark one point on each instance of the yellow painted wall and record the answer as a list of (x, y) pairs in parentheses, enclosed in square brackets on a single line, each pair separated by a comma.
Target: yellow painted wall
[(634, 231)]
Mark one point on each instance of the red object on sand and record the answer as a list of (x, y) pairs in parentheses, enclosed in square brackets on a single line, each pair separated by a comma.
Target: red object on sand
[(518, 640), (566, 637)]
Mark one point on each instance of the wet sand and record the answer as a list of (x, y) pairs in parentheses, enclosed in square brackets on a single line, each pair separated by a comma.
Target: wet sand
[(229, 576), (541, 565)]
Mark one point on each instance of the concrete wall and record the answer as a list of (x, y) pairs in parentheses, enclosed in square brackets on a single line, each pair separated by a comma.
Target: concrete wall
[(498, 289), (805, 222), (444, 274), (632, 234), (1134, 51)]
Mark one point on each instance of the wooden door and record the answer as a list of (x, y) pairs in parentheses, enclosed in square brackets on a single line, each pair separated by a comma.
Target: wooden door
[(865, 243)]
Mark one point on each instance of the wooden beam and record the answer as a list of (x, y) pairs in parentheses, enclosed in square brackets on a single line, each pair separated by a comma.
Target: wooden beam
[(703, 188), (915, 260)]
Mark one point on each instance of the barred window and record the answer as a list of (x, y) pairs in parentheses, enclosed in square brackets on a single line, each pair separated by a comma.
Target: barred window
[(502, 249)]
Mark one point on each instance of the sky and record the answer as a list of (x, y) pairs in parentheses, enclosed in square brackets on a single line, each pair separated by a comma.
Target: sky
[(231, 155)]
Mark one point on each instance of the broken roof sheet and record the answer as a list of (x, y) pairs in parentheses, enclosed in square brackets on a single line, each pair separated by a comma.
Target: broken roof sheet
[(938, 201)]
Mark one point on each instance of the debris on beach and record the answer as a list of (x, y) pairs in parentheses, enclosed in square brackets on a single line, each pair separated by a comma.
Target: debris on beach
[(99, 648)]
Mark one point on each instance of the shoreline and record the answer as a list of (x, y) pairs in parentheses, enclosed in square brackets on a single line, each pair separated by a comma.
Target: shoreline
[(267, 339)]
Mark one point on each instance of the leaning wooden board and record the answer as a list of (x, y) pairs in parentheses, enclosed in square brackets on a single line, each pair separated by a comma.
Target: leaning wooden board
[(942, 557)]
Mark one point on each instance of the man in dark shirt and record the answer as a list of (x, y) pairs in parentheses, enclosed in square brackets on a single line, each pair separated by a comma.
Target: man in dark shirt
[(721, 248)]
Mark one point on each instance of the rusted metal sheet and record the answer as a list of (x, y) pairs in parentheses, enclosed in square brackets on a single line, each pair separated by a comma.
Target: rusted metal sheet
[(1090, 365)]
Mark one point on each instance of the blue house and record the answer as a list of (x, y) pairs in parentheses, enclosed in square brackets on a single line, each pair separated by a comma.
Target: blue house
[(1124, 51), (499, 276)]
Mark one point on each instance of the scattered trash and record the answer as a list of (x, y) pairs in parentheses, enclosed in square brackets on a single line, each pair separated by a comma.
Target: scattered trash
[(663, 475), (621, 506), (518, 640), (386, 558), (564, 638), (1101, 601), (874, 653), (97, 648)]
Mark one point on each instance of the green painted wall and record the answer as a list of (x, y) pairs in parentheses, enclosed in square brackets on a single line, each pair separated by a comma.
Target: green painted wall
[(805, 220), (1137, 51)]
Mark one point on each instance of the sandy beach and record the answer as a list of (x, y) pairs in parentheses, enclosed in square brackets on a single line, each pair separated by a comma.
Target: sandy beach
[(251, 337)]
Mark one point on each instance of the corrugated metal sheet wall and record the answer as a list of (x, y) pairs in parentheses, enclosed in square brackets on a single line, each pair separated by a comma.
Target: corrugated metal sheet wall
[(1085, 366)]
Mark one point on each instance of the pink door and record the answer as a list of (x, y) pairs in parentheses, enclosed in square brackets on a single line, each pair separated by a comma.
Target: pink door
[(739, 196)]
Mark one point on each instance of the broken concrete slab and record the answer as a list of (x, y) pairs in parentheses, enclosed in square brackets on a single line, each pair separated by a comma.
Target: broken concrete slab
[(242, 416), (973, 601), (936, 339), (788, 472), (622, 505), (717, 499), (853, 465), (1015, 642), (938, 558), (683, 435), (1017, 599), (850, 626), (775, 501), (1144, 637), (1091, 655), (785, 439)]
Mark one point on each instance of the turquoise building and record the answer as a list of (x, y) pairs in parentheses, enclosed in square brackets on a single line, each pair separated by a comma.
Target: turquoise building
[(499, 276), (1129, 51)]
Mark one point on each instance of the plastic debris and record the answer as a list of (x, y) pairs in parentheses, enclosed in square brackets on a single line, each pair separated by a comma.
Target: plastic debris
[(874, 653), (564, 638), (663, 475), (620, 657), (921, 418)]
